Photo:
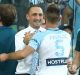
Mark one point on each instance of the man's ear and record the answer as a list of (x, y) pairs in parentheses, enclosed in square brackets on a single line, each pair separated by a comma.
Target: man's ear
[(60, 18), (27, 17)]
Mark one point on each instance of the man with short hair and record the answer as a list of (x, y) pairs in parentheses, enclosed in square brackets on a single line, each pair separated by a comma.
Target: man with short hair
[(34, 16), (7, 37)]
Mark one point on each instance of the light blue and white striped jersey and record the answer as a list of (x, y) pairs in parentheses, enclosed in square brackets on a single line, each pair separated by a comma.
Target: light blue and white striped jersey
[(50, 44)]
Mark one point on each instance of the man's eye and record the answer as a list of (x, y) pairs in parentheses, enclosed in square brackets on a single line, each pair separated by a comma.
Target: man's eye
[(35, 14), (40, 15)]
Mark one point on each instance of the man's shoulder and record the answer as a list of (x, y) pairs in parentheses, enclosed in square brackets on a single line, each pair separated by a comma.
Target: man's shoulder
[(65, 33), (42, 29)]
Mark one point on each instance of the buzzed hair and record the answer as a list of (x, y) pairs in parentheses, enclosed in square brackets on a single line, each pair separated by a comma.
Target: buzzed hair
[(52, 13), (32, 7)]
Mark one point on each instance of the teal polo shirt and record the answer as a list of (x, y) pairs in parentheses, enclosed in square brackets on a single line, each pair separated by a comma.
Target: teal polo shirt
[(7, 45)]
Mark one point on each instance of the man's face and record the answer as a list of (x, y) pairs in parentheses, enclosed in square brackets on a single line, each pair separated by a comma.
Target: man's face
[(35, 16)]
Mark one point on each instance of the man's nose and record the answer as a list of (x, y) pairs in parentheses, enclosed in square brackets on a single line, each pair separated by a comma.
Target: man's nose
[(38, 17)]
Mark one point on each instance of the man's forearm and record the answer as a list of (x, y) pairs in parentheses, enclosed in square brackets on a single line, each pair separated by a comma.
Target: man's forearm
[(12, 56), (20, 54), (75, 64), (76, 59), (17, 55)]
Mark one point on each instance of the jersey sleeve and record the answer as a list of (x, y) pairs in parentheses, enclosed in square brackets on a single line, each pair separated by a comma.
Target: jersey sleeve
[(35, 41)]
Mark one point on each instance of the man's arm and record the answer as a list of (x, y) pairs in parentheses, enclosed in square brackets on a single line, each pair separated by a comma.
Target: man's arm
[(76, 60), (75, 64), (66, 14), (17, 55)]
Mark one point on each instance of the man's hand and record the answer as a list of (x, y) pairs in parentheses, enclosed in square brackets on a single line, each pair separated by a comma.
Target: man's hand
[(27, 37), (3, 57), (72, 69), (69, 62)]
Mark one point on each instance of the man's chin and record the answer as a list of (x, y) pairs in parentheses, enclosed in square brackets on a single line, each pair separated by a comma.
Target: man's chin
[(37, 24)]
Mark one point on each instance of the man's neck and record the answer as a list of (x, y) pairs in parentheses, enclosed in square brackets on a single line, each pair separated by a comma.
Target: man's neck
[(49, 25)]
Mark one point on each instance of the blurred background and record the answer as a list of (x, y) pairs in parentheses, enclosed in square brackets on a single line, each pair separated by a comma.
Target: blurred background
[(22, 5)]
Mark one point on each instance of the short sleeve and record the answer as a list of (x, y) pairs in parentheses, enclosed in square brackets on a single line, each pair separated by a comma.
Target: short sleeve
[(35, 41)]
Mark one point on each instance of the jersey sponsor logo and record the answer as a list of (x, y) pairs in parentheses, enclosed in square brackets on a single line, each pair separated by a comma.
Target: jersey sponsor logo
[(56, 61)]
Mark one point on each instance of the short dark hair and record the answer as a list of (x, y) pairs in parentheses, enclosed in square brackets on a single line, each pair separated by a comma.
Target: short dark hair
[(29, 8), (52, 13), (7, 14)]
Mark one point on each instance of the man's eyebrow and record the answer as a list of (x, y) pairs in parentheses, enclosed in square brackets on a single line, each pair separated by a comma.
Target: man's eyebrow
[(37, 13)]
